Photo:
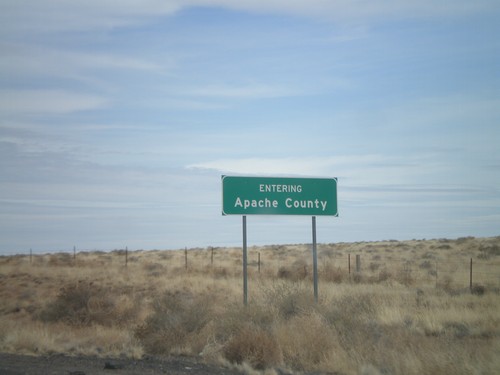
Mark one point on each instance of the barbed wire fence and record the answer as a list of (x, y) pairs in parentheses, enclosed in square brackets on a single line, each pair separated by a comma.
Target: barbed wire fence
[(427, 269)]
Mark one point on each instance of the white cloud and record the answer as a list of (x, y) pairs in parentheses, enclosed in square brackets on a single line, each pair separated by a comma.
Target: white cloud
[(47, 101), (456, 108), (370, 170), (252, 91), (108, 61), (361, 10), (29, 59), (54, 15), (186, 104), (308, 166)]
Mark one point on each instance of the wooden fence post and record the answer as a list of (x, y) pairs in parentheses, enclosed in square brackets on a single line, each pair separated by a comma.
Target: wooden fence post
[(470, 278), (186, 257), (436, 274), (358, 263)]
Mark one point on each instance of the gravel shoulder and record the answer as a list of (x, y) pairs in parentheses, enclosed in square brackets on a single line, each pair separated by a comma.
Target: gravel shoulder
[(14, 364)]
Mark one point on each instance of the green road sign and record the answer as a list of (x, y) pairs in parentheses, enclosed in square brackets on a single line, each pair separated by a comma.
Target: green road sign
[(279, 196)]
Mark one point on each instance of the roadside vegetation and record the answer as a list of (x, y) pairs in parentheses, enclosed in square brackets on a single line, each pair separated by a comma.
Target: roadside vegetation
[(408, 308)]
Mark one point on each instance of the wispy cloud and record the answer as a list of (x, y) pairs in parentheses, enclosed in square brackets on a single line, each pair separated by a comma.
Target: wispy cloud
[(27, 58), (286, 166), (54, 16), (456, 108), (252, 91), (368, 170), (48, 101), (339, 9)]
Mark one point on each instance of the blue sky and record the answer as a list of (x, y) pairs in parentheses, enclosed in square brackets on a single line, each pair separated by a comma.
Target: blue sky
[(117, 119)]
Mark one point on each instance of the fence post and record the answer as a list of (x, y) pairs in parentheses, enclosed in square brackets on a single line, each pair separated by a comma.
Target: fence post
[(358, 262), (349, 262), (436, 274), (74, 252), (470, 278), (258, 263), (186, 258)]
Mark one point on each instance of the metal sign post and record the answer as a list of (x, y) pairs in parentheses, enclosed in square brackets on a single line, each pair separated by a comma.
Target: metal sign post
[(279, 196), (315, 259), (245, 274)]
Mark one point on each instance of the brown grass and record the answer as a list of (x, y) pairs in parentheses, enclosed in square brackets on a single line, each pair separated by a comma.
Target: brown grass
[(254, 345), (408, 311)]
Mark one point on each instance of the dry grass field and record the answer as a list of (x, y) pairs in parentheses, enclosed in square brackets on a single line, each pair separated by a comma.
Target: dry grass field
[(409, 309)]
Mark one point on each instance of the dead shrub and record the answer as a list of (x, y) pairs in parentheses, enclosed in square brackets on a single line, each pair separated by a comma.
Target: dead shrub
[(331, 273), (288, 298), (80, 304), (237, 315), (457, 329), (61, 259), (490, 249), (176, 318), (374, 266), (354, 322), (426, 264), (154, 269), (404, 276), (478, 289), (446, 284), (327, 253), (284, 273), (220, 272), (307, 341), (126, 310), (255, 346), (297, 271), (357, 277), (384, 275), (348, 311)]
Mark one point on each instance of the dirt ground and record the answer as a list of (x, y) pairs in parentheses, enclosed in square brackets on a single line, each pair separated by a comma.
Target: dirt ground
[(12, 364)]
